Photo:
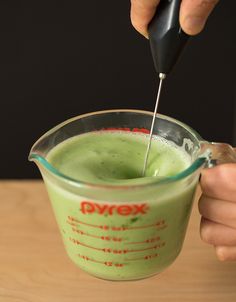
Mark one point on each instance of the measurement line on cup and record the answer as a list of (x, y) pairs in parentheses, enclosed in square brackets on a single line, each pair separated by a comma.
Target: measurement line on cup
[(148, 248), (75, 222), (105, 238), (107, 263), (151, 240), (105, 250), (75, 241), (147, 257), (116, 251), (160, 224)]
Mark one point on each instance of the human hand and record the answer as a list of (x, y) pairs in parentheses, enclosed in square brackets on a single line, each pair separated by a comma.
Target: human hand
[(193, 14), (217, 206)]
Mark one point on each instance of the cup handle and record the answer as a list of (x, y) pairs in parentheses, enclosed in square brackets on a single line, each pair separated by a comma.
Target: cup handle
[(218, 153)]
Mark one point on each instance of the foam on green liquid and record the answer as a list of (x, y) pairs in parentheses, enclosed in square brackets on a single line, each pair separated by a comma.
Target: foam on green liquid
[(116, 157)]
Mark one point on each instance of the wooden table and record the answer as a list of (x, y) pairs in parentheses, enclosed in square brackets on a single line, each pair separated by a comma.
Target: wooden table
[(35, 268)]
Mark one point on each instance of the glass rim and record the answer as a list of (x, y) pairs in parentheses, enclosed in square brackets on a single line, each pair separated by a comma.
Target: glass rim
[(198, 163)]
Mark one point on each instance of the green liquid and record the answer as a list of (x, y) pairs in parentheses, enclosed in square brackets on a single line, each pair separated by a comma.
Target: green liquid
[(116, 157), (120, 234)]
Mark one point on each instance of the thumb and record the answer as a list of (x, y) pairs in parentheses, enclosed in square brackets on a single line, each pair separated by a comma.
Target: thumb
[(194, 14)]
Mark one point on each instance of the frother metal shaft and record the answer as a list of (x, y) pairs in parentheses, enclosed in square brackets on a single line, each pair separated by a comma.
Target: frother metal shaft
[(162, 77)]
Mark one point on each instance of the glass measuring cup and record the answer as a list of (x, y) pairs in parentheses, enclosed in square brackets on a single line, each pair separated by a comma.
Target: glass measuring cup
[(125, 232)]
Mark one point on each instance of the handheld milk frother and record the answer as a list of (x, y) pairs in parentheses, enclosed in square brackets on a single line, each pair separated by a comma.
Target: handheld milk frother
[(167, 41)]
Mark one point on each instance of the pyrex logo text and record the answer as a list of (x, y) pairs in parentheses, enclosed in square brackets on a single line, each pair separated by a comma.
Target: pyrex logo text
[(89, 207)]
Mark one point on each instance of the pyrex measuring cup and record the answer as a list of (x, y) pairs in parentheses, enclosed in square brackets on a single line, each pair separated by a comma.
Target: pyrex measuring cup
[(125, 232)]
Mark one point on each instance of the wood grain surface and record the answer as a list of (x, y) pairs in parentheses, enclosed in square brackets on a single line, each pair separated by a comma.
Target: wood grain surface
[(35, 268)]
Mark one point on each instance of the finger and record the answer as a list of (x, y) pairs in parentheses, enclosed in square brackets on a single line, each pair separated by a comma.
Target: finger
[(142, 12), (218, 211), (226, 253), (194, 13), (217, 234), (219, 182)]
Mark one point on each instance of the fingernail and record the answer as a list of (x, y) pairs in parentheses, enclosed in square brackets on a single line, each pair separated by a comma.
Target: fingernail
[(193, 24)]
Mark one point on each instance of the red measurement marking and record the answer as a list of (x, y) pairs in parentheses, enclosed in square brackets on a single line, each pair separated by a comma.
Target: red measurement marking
[(114, 228), (145, 249), (148, 257), (105, 250), (106, 238), (151, 240), (160, 224), (115, 251), (116, 129), (75, 241), (74, 222), (107, 263), (72, 218), (142, 130), (83, 233)]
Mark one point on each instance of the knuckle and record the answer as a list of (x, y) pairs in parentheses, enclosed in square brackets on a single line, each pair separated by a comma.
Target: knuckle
[(215, 178), (222, 177), (207, 181), (222, 171)]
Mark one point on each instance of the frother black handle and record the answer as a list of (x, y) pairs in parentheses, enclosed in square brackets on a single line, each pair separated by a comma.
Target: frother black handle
[(166, 36)]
